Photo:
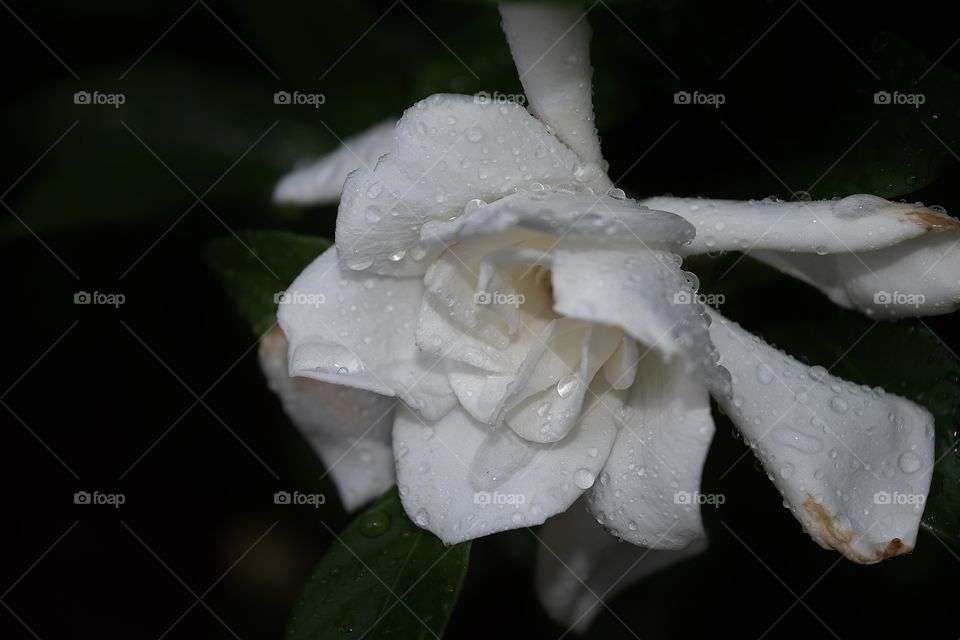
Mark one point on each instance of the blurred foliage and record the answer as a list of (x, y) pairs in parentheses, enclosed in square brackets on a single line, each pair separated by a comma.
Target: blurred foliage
[(799, 111)]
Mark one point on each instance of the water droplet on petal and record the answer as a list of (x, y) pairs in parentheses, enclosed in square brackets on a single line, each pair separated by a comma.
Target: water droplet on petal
[(567, 385), (583, 478), (909, 462), (361, 264), (422, 518), (838, 404)]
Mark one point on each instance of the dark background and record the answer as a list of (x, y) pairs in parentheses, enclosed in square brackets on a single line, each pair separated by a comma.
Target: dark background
[(106, 399)]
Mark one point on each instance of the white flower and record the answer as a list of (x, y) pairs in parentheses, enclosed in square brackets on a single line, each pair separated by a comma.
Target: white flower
[(546, 346)]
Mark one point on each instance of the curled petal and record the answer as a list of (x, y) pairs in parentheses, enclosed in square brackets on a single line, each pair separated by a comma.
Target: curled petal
[(649, 490), (549, 414), (918, 277), (551, 355), (642, 290), (462, 480), (580, 566), (449, 150), (348, 428), (853, 224), (565, 214), (321, 181), (358, 331), (854, 463), (551, 48), (887, 259)]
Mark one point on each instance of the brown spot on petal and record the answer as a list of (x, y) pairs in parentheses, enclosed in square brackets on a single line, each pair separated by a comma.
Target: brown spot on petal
[(930, 220), (824, 530), (896, 547)]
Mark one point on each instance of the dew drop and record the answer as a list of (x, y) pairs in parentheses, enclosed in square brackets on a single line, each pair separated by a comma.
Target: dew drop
[(422, 518), (838, 404), (909, 462), (360, 265), (473, 205), (583, 478), (817, 373), (374, 524), (567, 385)]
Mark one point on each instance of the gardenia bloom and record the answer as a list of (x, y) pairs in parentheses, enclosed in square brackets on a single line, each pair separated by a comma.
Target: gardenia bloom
[(503, 334)]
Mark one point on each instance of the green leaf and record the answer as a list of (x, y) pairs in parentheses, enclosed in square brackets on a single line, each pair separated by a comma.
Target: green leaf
[(255, 266), (904, 357), (383, 577)]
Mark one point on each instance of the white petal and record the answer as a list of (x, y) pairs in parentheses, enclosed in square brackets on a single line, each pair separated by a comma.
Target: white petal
[(918, 277), (321, 181), (565, 214), (888, 259), (579, 565), (552, 355), (462, 480), (621, 369), (449, 150), (853, 463), (853, 224), (358, 330), (548, 416), (551, 48), (648, 490), (348, 428), (474, 345), (642, 290), (500, 273)]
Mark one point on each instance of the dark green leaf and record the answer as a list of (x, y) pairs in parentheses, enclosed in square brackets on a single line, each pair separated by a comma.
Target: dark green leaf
[(258, 265), (382, 577)]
